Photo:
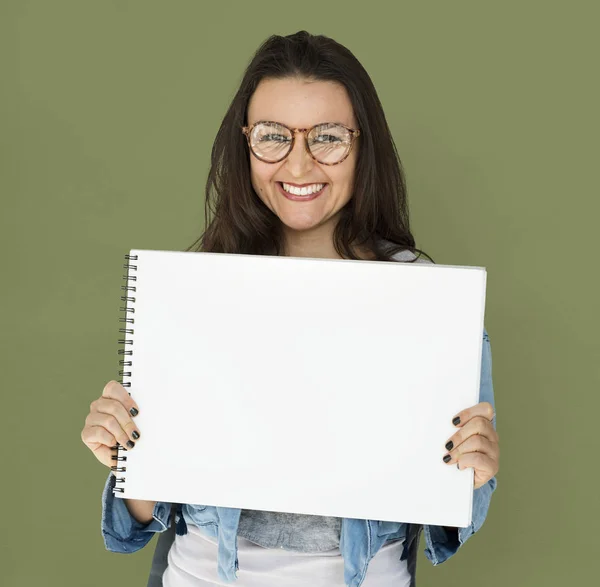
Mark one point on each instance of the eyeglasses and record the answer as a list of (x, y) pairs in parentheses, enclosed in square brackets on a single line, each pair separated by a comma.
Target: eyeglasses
[(328, 143)]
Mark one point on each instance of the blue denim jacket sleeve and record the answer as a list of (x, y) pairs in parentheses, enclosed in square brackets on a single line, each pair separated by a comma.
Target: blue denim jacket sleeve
[(120, 530), (441, 544)]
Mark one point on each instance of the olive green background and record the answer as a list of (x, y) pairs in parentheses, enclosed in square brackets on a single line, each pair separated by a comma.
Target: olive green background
[(107, 117)]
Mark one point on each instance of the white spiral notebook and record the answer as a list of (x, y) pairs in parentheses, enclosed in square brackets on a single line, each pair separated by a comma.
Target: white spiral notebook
[(300, 385)]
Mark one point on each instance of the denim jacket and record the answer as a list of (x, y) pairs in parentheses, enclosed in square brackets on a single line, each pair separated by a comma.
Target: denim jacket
[(360, 539)]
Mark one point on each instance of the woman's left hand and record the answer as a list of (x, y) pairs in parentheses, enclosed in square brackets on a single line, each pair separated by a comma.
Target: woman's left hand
[(476, 443)]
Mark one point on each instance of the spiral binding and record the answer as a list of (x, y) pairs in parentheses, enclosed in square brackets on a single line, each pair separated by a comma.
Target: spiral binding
[(128, 308)]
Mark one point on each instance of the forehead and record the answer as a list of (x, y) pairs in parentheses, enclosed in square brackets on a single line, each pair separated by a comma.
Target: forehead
[(300, 103)]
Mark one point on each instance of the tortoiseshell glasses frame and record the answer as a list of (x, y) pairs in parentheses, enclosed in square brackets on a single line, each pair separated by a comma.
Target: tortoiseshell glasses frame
[(354, 133)]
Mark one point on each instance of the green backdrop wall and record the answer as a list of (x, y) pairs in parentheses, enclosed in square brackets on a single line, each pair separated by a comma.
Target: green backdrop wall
[(108, 114)]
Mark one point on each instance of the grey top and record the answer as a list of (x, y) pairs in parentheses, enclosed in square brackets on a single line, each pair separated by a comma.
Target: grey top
[(297, 532)]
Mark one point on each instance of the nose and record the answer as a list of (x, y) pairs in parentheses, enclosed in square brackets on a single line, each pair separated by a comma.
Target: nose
[(299, 160)]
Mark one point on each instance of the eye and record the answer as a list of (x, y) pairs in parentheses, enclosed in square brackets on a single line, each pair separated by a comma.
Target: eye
[(274, 137), (327, 139)]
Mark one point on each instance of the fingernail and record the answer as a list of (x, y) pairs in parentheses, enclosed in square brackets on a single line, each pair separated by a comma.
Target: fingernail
[(130, 444), (135, 434), (133, 412), (456, 421), (449, 445), (447, 458)]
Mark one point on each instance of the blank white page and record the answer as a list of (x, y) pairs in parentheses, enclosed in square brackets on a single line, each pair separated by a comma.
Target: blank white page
[(303, 385)]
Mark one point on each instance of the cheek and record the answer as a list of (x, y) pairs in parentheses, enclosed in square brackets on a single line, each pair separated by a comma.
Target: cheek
[(344, 183), (261, 177), (343, 175)]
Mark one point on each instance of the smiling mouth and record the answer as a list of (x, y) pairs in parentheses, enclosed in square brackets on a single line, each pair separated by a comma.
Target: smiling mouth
[(297, 198)]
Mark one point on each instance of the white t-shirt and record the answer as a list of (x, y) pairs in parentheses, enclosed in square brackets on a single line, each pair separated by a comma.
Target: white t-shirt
[(192, 562)]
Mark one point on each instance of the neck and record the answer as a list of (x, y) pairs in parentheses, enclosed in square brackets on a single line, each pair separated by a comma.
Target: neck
[(317, 244)]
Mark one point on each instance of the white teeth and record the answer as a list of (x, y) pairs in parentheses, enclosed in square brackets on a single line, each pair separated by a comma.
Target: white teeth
[(311, 189)]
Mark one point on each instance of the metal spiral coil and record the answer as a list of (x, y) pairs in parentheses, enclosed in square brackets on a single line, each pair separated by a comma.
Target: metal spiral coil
[(120, 457)]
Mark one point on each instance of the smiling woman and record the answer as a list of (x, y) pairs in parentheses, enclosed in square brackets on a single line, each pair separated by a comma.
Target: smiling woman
[(303, 165), (306, 113)]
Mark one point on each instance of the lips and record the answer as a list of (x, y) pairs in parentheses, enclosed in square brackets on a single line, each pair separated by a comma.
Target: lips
[(296, 198)]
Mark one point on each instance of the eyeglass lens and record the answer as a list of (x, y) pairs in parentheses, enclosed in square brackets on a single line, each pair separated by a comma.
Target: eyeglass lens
[(328, 143)]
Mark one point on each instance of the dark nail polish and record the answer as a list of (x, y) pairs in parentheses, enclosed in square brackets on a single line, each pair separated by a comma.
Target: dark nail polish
[(447, 458), (456, 421), (133, 412), (449, 445), (135, 434), (130, 444)]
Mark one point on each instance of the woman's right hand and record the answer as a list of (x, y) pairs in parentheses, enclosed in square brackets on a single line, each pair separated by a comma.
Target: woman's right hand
[(110, 421)]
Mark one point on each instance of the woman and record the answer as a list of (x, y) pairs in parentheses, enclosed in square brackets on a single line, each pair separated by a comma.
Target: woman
[(303, 165)]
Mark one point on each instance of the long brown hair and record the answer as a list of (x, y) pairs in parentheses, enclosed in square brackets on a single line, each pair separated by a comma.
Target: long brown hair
[(376, 217)]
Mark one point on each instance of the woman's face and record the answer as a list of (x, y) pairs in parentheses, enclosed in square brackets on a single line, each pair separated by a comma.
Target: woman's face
[(302, 104)]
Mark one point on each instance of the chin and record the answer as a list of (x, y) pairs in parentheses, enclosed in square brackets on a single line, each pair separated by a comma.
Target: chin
[(299, 225)]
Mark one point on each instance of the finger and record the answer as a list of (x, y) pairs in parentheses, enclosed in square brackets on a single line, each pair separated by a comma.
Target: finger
[(110, 424), (97, 435), (116, 409), (482, 409), (114, 390), (484, 466), (104, 454), (101, 442), (477, 425), (473, 444)]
